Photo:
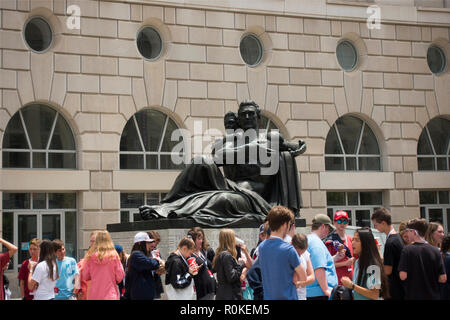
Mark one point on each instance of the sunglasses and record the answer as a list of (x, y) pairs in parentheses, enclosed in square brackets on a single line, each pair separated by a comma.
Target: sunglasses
[(340, 221)]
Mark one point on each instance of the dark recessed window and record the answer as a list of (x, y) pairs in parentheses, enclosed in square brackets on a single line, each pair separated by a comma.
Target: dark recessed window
[(347, 55), (436, 59), (433, 148), (351, 146), (38, 137), (149, 43), (251, 50), (146, 142), (130, 202), (38, 34), (359, 205)]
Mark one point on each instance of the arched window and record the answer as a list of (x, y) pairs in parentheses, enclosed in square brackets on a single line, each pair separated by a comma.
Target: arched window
[(351, 146), (433, 149), (146, 142), (37, 136)]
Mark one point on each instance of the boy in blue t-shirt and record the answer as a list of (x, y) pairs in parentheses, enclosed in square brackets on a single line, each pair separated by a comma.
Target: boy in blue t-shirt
[(69, 275), (321, 260), (278, 259)]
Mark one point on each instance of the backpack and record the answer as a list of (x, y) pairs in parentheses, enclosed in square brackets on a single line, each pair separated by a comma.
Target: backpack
[(341, 293)]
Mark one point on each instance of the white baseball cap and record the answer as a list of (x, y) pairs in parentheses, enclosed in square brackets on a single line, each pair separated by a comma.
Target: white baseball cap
[(142, 236)]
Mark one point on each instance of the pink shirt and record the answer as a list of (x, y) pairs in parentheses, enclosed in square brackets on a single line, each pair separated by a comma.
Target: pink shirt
[(4, 259), (104, 276)]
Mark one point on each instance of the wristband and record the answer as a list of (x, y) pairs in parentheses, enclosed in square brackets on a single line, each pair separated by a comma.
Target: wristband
[(353, 286)]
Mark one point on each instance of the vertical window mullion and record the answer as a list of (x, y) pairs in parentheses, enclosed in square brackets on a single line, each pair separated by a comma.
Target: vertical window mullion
[(163, 134), (27, 137), (432, 148), (161, 141), (359, 144), (342, 146), (25, 130), (138, 130), (52, 130), (448, 156)]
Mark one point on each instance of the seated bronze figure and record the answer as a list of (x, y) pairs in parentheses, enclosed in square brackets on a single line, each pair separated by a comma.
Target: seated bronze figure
[(259, 172)]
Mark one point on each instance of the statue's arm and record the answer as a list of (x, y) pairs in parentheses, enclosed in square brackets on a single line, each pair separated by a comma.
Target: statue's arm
[(300, 148), (295, 149)]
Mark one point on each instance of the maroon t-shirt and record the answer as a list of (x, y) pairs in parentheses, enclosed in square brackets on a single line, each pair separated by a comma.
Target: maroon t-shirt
[(4, 259), (23, 275)]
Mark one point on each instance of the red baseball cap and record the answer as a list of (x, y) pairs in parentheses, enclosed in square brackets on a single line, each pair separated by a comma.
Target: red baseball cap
[(340, 214)]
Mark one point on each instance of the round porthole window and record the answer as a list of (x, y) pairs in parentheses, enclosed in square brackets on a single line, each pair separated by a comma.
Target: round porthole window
[(436, 59), (251, 50), (38, 34), (149, 43), (347, 55)]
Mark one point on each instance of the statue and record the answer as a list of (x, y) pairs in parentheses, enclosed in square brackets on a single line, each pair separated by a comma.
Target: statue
[(259, 172)]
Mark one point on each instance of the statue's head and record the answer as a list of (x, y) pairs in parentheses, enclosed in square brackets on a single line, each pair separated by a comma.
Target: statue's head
[(230, 120), (249, 115)]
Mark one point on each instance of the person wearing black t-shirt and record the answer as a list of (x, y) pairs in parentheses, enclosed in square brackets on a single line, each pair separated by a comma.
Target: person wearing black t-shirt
[(421, 265), (393, 247), (205, 283)]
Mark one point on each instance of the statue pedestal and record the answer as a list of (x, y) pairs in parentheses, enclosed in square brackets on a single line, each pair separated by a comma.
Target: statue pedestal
[(173, 230)]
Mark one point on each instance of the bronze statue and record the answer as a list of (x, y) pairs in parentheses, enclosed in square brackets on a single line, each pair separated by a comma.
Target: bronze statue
[(259, 172)]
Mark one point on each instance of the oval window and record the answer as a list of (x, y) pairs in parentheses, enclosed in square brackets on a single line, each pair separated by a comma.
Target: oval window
[(251, 50), (347, 55), (38, 34), (436, 59), (149, 43)]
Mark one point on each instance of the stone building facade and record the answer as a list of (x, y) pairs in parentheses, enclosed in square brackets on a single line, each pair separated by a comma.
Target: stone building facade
[(96, 79)]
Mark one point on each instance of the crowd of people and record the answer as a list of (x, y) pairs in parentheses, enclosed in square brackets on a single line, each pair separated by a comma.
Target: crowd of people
[(326, 264)]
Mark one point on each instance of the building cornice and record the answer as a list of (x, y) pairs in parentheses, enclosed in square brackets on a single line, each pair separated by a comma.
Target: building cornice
[(329, 9)]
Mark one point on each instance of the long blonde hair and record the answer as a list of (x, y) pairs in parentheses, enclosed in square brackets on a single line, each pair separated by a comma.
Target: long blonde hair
[(103, 247), (432, 227), (227, 242)]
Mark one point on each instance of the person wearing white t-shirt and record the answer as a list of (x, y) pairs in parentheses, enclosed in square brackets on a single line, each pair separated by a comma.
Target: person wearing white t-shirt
[(300, 243), (42, 279)]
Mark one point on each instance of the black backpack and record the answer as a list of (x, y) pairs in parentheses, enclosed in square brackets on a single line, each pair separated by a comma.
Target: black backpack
[(341, 293)]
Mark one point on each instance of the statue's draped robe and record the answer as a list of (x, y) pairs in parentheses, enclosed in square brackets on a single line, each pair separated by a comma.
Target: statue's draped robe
[(202, 193), (285, 189)]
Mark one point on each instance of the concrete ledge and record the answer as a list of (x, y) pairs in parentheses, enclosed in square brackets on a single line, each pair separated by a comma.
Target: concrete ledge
[(391, 12), (366, 180), (44, 180), (431, 180), (138, 180), (181, 223)]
